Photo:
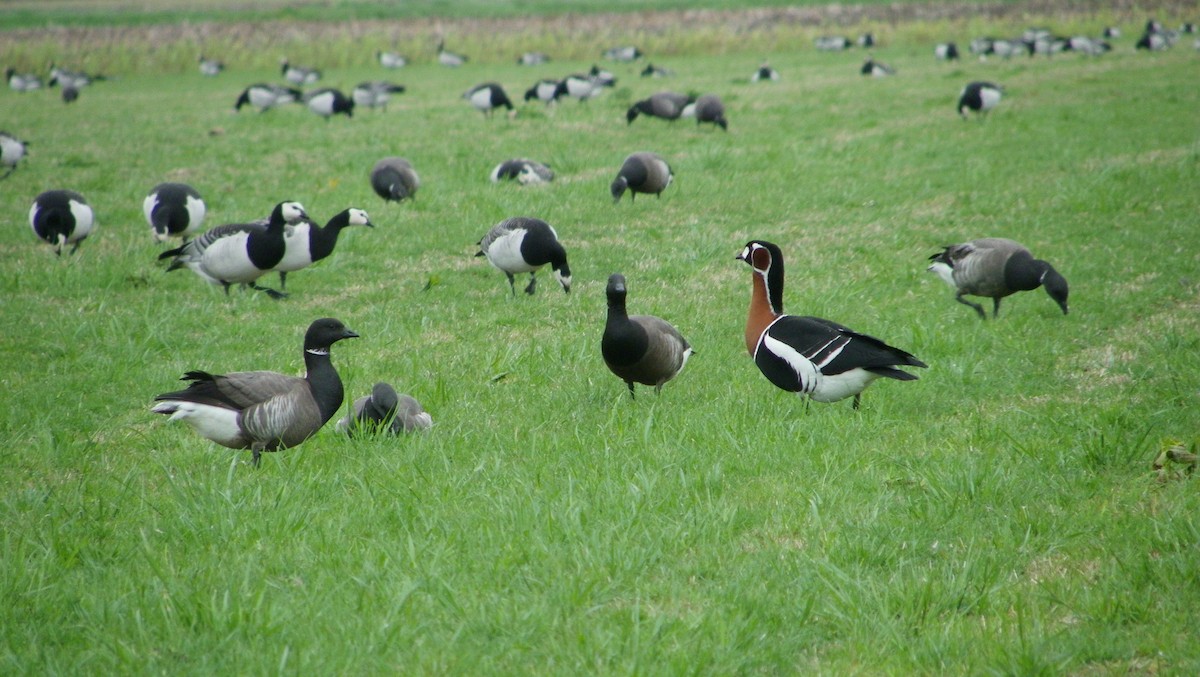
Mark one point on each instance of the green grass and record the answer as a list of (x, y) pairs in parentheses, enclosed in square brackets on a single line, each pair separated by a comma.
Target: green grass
[(998, 516)]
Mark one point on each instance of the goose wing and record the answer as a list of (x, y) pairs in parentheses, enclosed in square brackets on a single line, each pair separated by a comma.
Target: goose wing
[(794, 350), (286, 419)]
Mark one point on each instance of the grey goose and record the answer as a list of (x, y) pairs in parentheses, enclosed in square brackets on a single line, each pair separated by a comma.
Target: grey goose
[(12, 150), (394, 179), (263, 410), (265, 96), (640, 348), (623, 54), (523, 171), (642, 172), (305, 242), (384, 410), (709, 108), (524, 244), (665, 105), (996, 267), (61, 218), (173, 210)]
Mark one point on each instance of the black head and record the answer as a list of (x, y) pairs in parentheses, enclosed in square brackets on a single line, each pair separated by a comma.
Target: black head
[(1056, 286), (767, 260), (618, 187), (632, 113), (531, 93), (616, 290), (324, 333)]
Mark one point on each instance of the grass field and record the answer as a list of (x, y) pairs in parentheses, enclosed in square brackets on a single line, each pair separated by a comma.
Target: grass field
[(998, 516)]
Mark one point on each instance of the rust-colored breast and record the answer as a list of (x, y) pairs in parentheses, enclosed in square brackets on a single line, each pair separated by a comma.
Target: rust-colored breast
[(761, 315)]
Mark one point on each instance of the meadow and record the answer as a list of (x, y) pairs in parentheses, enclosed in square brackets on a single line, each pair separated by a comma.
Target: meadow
[(998, 516)]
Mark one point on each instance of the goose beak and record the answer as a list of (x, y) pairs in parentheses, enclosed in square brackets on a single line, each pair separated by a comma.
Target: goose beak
[(349, 333)]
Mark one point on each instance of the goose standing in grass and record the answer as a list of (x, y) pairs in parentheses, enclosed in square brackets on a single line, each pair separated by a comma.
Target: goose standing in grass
[(642, 172), (640, 348), (946, 51), (305, 243), (300, 76), (265, 96), (523, 171), (665, 105), (375, 94), (544, 90), (523, 244), (577, 86), (76, 80), (391, 60), (601, 77), (765, 74), (488, 97), (60, 218), (22, 82), (394, 179), (996, 267), (876, 69), (449, 59), (811, 356), (385, 409), (980, 97), (12, 150), (210, 67), (173, 210), (709, 108), (328, 102), (263, 410)]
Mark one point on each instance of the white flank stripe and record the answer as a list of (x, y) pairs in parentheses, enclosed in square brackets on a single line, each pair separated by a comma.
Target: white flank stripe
[(215, 423), (834, 353), (806, 371)]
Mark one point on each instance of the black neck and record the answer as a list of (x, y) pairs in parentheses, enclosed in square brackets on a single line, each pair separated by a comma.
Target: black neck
[(266, 249), (625, 341), (321, 241), (1022, 272), (324, 380)]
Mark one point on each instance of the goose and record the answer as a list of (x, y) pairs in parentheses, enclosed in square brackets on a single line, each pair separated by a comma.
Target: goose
[(22, 82), (328, 102), (70, 93), (533, 59), (622, 54), (391, 60), (238, 252), (263, 410), (876, 69), (652, 71), (1087, 46), (544, 90), (946, 51), (449, 59), (394, 179), (299, 75), (1111, 32), (601, 77), (265, 97), (832, 43), (525, 172), (666, 105), (643, 348), (642, 172), (210, 67), (305, 243), (765, 74), (1154, 42), (60, 218), (524, 244), (866, 40), (73, 79), (709, 108), (488, 97), (385, 409), (12, 150), (375, 94), (811, 356), (173, 210), (578, 86), (996, 267), (980, 97)]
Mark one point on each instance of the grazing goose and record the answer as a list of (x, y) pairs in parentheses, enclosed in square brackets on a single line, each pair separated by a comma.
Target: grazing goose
[(623, 54), (1111, 32), (866, 40), (809, 355), (544, 90), (305, 243), (238, 252), (449, 59), (265, 96), (876, 69), (533, 59), (665, 105), (173, 210), (263, 410), (578, 86), (832, 43), (328, 102), (709, 108), (996, 267), (22, 82), (210, 67), (12, 150), (601, 77), (525, 172), (73, 79), (299, 76), (375, 94), (652, 71), (642, 172), (61, 217), (523, 245), (394, 179), (643, 348), (1153, 41), (391, 59), (980, 97), (385, 409), (765, 74), (488, 97), (946, 51)]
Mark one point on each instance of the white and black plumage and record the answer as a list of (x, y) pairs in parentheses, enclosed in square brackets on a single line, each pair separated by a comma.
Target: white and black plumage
[(70, 93), (1153, 41), (580, 87), (664, 105), (1111, 32), (375, 94), (623, 54), (640, 348), (866, 40), (601, 77), (980, 97), (265, 96), (876, 69), (449, 59), (22, 82), (811, 356), (173, 210), (328, 102), (299, 76), (832, 43), (710, 109), (12, 150), (996, 267), (385, 410), (488, 97), (946, 51), (765, 74), (60, 218), (69, 79), (544, 90), (210, 67), (642, 172), (652, 71), (523, 171), (305, 243), (238, 252), (394, 179), (263, 410), (391, 60), (533, 59), (523, 244)]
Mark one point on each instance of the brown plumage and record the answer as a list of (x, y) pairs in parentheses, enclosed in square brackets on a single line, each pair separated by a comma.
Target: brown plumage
[(640, 348)]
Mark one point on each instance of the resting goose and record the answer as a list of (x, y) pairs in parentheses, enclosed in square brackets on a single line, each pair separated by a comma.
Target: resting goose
[(665, 105), (12, 150), (996, 267), (22, 82), (60, 218), (263, 410), (765, 74), (524, 172), (299, 75), (391, 59), (210, 67), (305, 243), (385, 409), (523, 245), (533, 59), (876, 69), (173, 210), (640, 348), (642, 172), (394, 179)]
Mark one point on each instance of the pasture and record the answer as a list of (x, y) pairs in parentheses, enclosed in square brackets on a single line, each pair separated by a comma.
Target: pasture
[(998, 516)]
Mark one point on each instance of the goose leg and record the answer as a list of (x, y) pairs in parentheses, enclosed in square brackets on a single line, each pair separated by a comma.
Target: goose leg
[(532, 283), (978, 308), (857, 400), (282, 280), (995, 308), (631, 395), (270, 292), (256, 459), (512, 283)]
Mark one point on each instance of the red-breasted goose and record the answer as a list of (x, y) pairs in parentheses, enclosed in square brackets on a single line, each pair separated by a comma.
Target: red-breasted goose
[(262, 410), (305, 243), (665, 105), (811, 356), (60, 218), (523, 244), (980, 97), (394, 179), (642, 172), (488, 97), (996, 267), (385, 409), (173, 210), (640, 348), (12, 150)]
